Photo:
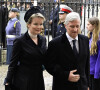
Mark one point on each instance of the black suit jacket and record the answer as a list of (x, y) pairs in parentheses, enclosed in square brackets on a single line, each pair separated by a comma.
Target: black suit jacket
[(25, 70), (60, 60)]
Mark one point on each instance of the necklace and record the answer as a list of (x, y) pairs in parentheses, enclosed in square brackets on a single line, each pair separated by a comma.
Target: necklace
[(31, 35)]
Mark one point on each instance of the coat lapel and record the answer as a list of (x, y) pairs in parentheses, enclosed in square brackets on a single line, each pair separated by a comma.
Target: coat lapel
[(29, 40), (32, 44), (67, 47), (80, 46)]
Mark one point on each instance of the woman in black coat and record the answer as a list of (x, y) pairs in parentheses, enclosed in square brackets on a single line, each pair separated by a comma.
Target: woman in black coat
[(25, 70)]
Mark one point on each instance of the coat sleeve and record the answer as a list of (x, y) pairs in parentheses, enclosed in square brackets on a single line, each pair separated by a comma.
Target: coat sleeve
[(18, 29), (51, 63), (97, 66), (14, 61)]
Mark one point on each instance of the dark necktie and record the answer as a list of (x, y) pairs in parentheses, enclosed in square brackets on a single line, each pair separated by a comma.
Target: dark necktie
[(74, 48)]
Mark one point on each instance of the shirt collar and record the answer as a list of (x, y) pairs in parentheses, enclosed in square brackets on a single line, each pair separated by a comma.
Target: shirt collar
[(13, 18), (70, 38)]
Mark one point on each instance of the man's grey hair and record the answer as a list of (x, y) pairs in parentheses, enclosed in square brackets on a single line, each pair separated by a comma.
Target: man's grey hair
[(71, 17)]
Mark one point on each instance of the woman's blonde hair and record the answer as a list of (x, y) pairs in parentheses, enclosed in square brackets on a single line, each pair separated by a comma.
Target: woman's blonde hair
[(33, 16), (95, 34)]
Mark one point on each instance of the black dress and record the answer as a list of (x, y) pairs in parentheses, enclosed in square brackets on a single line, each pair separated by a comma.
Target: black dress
[(25, 71)]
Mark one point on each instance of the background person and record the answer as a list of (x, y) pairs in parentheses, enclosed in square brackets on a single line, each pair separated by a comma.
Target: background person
[(13, 30), (64, 10), (25, 71), (67, 61), (93, 27), (54, 18)]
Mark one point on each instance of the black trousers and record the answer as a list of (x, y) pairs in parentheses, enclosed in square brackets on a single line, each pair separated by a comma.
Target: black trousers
[(95, 83)]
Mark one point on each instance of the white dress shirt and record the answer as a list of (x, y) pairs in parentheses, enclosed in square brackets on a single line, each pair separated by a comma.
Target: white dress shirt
[(71, 42)]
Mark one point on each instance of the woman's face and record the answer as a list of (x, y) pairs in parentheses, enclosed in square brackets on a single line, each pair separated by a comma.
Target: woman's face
[(90, 27), (12, 14), (36, 25)]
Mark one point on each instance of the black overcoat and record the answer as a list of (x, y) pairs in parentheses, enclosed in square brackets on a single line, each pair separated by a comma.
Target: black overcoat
[(25, 71), (60, 60)]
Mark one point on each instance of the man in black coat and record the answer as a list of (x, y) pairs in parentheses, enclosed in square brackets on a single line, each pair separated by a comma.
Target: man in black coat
[(70, 70)]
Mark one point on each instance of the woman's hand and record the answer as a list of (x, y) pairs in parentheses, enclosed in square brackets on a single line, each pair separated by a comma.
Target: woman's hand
[(7, 84)]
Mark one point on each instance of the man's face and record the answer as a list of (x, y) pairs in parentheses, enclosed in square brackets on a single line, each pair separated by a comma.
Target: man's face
[(73, 28), (62, 16)]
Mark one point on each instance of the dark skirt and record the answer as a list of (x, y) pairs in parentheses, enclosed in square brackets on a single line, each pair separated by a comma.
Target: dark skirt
[(28, 80)]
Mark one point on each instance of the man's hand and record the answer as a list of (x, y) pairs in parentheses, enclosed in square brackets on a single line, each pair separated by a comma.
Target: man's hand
[(73, 77), (88, 88)]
